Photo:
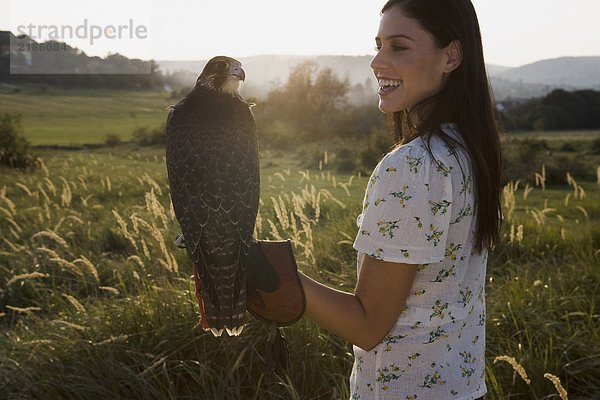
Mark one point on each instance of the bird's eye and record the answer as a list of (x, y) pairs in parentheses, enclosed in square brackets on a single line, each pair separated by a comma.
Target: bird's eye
[(221, 65)]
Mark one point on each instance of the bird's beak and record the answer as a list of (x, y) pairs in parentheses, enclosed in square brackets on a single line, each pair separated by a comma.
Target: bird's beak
[(239, 72)]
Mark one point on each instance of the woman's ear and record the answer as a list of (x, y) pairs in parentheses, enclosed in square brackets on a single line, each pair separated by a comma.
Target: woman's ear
[(454, 56)]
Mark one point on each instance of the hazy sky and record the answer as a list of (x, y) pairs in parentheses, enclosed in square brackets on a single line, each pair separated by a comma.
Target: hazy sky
[(515, 32)]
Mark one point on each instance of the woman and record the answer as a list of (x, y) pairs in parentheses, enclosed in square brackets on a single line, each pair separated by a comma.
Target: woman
[(430, 213)]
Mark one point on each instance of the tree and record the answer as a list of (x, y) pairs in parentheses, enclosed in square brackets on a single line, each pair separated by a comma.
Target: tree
[(563, 110), (591, 99), (557, 110), (313, 102), (14, 147)]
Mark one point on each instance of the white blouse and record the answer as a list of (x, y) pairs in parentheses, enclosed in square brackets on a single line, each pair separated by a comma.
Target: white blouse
[(419, 211)]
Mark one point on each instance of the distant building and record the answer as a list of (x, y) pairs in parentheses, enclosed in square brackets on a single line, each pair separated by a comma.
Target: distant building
[(507, 104), (16, 50), (5, 43)]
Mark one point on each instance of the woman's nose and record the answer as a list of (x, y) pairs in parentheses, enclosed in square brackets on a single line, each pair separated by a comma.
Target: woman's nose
[(378, 62)]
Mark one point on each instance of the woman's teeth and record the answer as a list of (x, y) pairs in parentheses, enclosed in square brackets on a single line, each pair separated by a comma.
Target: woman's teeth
[(387, 82), (387, 85)]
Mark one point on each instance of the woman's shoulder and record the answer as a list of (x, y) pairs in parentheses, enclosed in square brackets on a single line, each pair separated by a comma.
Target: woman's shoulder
[(405, 156), (427, 156), (424, 148)]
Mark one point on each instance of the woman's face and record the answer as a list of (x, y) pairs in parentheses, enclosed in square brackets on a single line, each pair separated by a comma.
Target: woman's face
[(409, 66)]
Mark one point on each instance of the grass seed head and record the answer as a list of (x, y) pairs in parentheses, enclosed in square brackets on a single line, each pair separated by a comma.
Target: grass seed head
[(559, 388), (88, 266), (23, 277), (68, 324), (516, 366), (50, 236), (68, 265), (137, 260), (11, 206), (26, 310), (113, 339), (109, 289), (24, 188), (75, 303)]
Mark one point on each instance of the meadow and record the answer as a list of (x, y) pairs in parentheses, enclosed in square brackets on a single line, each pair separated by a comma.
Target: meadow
[(71, 117), (97, 302)]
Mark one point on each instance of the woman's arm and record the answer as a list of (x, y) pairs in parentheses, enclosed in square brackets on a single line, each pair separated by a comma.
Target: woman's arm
[(365, 317)]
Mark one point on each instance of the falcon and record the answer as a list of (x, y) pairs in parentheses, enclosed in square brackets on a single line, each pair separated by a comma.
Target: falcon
[(213, 172)]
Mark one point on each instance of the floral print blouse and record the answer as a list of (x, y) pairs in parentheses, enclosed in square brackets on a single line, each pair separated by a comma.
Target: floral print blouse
[(417, 210)]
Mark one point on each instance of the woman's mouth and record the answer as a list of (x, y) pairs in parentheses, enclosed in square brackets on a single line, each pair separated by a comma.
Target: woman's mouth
[(386, 86)]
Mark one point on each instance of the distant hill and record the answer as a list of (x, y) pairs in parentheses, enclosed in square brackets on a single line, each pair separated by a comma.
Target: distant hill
[(578, 72), (493, 69), (266, 72), (270, 71)]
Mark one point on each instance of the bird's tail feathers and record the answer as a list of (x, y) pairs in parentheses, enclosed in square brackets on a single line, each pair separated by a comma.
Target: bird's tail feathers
[(218, 316)]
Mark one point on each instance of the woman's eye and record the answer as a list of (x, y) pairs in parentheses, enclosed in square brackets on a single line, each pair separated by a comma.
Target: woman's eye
[(394, 47)]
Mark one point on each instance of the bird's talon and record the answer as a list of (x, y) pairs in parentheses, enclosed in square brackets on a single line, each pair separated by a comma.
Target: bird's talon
[(180, 241)]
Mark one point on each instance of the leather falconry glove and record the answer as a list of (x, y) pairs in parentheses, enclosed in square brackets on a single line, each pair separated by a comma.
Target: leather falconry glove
[(274, 294)]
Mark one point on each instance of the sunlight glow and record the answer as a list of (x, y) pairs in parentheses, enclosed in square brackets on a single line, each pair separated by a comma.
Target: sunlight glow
[(515, 32)]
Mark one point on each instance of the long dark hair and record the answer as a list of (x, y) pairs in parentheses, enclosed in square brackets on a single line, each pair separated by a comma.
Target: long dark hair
[(465, 99)]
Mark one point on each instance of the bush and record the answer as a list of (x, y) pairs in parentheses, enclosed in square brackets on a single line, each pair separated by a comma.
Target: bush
[(568, 148), (522, 159), (345, 161), (595, 147), (558, 166), (145, 136), (279, 135), (112, 140), (180, 94), (14, 148), (379, 143)]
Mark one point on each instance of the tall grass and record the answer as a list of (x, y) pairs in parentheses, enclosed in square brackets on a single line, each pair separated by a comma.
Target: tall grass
[(97, 302)]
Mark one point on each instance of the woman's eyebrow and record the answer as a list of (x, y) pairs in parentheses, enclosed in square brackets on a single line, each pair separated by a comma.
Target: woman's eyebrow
[(396, 36)]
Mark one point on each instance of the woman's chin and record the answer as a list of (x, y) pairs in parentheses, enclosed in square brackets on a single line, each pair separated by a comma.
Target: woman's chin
[(390, 107)]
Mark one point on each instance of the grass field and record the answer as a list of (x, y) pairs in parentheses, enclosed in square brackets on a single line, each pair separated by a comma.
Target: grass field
[(83, 116), (576, 136), (96, 302)]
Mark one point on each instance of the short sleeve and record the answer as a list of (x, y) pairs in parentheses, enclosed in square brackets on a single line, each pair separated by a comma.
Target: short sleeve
[(407, 208)]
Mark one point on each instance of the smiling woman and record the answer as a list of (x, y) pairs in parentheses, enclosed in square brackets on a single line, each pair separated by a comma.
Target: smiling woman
[(430, 213)]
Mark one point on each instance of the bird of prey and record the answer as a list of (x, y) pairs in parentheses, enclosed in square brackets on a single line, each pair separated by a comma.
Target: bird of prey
[(213, 171)]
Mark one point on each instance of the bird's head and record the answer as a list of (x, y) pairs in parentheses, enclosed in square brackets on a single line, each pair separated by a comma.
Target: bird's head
[(223, 74)]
